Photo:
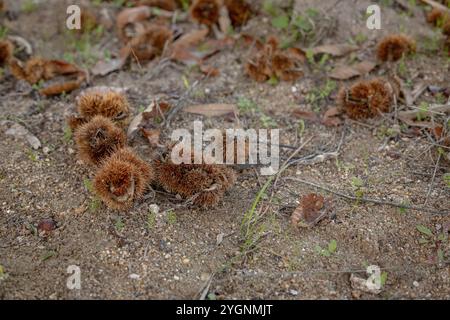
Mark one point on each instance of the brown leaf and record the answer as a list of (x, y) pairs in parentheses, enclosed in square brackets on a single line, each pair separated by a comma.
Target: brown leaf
[(330, 117), (131, 16), (190, 39), (348, 72), (47, 225), (155, 109), (213, 110), (312, 208), (152, 135), (59, 88), (306, 115), (180, 50), (102, 68), (209, 70), (336, 50)]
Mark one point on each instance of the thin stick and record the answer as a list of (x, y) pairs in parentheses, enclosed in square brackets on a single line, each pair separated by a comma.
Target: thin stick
[(381, 202)]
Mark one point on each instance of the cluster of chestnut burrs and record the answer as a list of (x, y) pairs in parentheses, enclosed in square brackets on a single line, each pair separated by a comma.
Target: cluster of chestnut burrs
[(121, 175)]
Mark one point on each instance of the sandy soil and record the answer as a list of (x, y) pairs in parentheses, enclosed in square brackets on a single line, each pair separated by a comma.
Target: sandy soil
[(130, 255)]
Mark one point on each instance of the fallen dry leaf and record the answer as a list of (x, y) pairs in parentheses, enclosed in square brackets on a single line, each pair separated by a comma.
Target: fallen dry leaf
[(335, 50), (306, 115), (331, 117), (356, 70), (155, 109), (411, 117), (102, 67), (36, 70), (152, 135), (181, 49), (213, 110), (131, 16), (312, 208)]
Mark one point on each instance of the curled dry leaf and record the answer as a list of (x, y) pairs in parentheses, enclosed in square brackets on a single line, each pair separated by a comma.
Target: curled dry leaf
[(356, 70), (411, 117), (335, 50), (313, 208), (213, 110), (131, 16), (180, 50), (306, 115), (152, 135), (331, 117), (47, 225), (272, 62), (155, 109), (150, 42), (38, 69)]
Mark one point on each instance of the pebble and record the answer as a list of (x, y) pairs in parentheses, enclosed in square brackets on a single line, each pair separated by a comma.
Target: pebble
[(134, 276), (416, 284), (293, 292)]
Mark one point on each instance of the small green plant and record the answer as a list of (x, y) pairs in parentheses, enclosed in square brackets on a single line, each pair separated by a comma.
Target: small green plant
[(47, 255), (273, 81), (318, 95), (119, 224), (281, 21), (3, 274), (151, 220), (423, 111), (359, 39), (435, 241), (327, 252), (28, 6), (446, 179), (94, 204), (171, 217), (246, 105), (33, 156), (267, 121), (67, 136), (357, 185), (252, 229), (3, 32), (88, 184)]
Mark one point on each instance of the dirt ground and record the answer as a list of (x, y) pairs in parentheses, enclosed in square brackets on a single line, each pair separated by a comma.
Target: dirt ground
[(185, 252)]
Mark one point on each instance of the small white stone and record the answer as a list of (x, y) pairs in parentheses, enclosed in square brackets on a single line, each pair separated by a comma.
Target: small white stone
[(134, 276), (294, 89), (207, 90), (176, 278), (293, 292), (416, 284), (46, 150)]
